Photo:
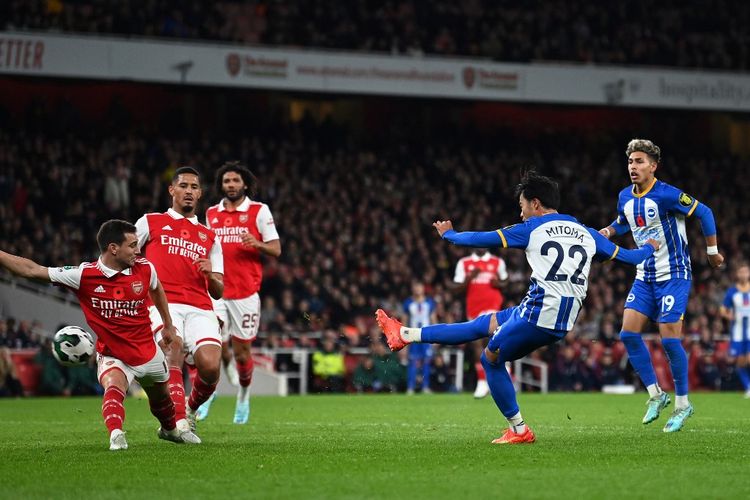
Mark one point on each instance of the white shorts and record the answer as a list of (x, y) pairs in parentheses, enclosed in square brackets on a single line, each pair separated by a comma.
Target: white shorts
[(154, 371), (241, 317), (196, 327)]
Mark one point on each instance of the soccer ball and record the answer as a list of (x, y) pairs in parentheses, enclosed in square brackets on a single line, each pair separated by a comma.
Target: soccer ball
[(72, 346)]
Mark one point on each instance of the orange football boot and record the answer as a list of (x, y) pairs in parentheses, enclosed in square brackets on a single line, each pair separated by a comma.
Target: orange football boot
[(392, 329), (510, 437)]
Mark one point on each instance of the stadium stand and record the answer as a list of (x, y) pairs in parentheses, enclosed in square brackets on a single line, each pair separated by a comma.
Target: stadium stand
[(670, 33), (352, 242)]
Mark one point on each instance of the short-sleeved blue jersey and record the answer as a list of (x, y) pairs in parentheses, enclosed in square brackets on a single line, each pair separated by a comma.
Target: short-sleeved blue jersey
[(559, 250), (659, 213)]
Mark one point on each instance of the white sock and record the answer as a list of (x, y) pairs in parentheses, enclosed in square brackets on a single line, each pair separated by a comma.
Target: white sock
[(653, 390), (243, 394), (411, 334), (517, 424), (681, 401)]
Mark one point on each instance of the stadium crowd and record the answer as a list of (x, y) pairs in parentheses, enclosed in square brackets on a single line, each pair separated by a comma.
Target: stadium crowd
[(670, 33), (355, 219)]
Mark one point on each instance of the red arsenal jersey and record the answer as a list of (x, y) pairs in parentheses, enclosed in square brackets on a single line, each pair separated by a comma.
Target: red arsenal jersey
[(481, 296), (115, 306), (173, 243), (242, 264)]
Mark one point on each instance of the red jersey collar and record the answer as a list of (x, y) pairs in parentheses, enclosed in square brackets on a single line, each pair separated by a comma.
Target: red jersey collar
[(109, 272), (242, 207), (175, 215)]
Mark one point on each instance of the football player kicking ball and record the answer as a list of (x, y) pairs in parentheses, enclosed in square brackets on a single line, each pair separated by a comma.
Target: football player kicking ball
[(559, 250), (113, 292)]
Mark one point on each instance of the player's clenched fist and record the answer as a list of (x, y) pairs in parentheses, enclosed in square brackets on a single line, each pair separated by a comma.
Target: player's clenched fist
[(716, 260), (204, 265), (442, 226)]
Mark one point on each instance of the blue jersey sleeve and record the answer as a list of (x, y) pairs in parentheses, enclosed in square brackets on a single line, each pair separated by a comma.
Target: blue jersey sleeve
[(681, 202), (620, 224), (478, 239), (728, 302), (406, 305), (606, 250), (515, 236)]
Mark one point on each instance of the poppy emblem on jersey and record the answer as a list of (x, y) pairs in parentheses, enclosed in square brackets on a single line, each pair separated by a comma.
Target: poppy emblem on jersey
[(685, 199), (185, 234), (118, 292), (651, 213), (639, 221), (137, 287), (243, 218), (202, 236), (228, 221)]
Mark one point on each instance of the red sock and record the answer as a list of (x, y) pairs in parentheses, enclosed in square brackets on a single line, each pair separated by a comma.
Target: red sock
[(245, 371), (164, 412), (177, 391), (192, 371), (112, 409), (200, 393), (480, 372)]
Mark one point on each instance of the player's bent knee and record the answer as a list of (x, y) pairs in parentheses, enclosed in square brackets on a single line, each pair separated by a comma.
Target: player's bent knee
[(490, 358), (115, 378)]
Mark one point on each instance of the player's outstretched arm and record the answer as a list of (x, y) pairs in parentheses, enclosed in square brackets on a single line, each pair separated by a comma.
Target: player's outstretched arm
[(478, 239), (23, 267), (606, 250)]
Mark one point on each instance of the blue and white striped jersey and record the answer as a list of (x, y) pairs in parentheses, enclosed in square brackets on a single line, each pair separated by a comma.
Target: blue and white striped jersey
[(659, 213), (738, 302), (559, 250), (419, 311)]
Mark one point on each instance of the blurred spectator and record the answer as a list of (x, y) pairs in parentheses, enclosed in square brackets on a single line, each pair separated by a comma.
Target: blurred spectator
[(708, 372), (441, 376), (570, 372), (390, 373), (52, 378), (10, 385), (82, 380), (365, 376), (328, 367)]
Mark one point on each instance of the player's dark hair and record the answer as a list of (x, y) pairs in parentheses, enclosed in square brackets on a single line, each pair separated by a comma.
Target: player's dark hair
[(644, 146), (185, 170), (540, 187), (248, 178), (113, 231)]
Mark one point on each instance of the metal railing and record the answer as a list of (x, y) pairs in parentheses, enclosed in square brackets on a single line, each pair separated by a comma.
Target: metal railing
[(522, 377)]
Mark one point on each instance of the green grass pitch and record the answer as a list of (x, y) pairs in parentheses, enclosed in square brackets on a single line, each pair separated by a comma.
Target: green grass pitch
[(588, 446)]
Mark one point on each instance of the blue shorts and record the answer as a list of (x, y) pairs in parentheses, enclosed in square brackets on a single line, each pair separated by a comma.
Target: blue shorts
[(739, 348), (515, 337), (419, 351), (660, 301)]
